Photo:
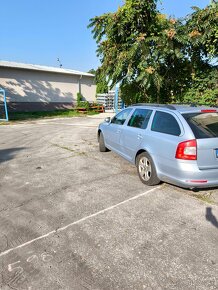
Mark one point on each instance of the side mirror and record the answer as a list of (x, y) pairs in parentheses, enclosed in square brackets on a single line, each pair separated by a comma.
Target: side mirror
[(107, 120)]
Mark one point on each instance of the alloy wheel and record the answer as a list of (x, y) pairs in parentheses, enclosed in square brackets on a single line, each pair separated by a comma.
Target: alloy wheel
[(145, 168)]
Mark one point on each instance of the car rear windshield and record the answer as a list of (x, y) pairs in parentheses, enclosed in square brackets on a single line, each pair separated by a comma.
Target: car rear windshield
[(203, 125)]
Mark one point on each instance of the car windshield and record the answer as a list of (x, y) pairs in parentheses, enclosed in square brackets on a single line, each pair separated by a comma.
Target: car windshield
[(203, 125)]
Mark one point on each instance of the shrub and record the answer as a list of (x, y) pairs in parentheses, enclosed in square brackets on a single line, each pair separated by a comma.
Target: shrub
[(81, 103)]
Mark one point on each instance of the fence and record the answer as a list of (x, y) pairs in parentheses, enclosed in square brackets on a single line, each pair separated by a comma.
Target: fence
[(108, 101)]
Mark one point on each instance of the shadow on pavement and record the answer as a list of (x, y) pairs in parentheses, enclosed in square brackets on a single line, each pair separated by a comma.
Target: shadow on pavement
[(8, 154), (210, 217)]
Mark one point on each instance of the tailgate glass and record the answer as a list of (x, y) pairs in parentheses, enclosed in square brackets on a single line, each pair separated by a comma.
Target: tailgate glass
[(205, 129), (203, 125)]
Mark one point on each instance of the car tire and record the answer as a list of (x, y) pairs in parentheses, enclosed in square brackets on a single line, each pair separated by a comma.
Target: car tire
[(102, 147), (146, 169)]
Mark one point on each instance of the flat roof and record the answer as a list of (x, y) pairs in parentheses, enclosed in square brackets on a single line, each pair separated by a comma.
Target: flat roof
[(34, 67)]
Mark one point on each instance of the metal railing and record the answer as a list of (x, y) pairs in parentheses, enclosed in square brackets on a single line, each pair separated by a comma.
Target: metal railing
[(2, 92)]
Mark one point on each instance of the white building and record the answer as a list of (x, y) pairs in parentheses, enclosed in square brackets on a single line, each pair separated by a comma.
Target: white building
[(35, 88)]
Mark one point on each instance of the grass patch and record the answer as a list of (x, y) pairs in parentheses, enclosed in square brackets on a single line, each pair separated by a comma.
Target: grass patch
[(21, 116), (63, 147), (5, 123), (204, 197), (76, 153), (82, 153)]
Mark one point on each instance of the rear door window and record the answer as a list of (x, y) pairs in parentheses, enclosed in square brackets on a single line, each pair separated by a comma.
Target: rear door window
[(165, 123), (203, 125), (140, 118)]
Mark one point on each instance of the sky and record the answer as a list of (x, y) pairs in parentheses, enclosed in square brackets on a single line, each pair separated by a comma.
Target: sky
[(40, 31)]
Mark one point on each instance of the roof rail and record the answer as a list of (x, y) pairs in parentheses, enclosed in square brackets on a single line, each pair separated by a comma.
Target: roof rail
[(171, 107), (186, 104)]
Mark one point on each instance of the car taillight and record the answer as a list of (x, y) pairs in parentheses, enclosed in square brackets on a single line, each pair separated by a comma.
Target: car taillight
[(187, 150)]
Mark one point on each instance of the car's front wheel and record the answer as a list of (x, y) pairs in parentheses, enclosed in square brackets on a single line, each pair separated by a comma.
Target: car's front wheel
[(102, 147), (146, 169)]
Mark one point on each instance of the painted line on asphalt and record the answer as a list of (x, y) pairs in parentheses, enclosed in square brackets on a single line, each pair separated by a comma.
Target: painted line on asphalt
[(79, 221), (68, 124)]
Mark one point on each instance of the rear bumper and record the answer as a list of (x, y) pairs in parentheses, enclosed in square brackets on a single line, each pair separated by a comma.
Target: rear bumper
[(187, 184), (187, 175)]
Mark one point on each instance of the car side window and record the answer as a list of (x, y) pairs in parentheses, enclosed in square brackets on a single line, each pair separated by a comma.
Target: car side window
[(121, 117), (165, 123), (140, 118)]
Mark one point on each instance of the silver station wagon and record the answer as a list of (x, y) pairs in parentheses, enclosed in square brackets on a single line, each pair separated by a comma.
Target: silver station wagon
[(177, 144)]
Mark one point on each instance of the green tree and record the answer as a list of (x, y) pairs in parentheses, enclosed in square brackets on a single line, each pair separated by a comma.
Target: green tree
[(92, 71), (204, 89), (139, 46), (154, 57), (119, 38), (101, 81), (202, 29)]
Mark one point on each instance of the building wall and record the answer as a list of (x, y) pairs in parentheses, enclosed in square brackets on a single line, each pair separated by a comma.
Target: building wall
[(88, 88), (35, 90)]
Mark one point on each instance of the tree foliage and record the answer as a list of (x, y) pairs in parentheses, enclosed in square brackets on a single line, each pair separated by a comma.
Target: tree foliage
[(156, 58), (202, 29), (204, 89), (100, 79)]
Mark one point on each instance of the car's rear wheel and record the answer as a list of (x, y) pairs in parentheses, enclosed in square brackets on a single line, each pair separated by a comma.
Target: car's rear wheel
[(146, 169), (102, 147)]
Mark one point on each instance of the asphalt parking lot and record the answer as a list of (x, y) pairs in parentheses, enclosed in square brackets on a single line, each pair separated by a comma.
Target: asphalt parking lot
[(74, 218)]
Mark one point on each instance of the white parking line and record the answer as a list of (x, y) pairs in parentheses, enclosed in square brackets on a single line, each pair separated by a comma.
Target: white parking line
[(69, 124), (78, 221)]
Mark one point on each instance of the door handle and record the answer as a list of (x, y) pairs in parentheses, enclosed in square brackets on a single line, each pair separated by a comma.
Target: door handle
[(118, 131), (139, 136)]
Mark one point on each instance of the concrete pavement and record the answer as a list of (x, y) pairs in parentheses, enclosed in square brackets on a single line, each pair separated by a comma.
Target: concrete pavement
[(74, 218)]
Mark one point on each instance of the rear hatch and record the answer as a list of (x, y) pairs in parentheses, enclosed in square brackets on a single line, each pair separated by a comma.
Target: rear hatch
[(204, 125)]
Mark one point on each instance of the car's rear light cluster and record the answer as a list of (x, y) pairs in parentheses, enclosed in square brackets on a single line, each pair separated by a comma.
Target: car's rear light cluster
[(187, 150)]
